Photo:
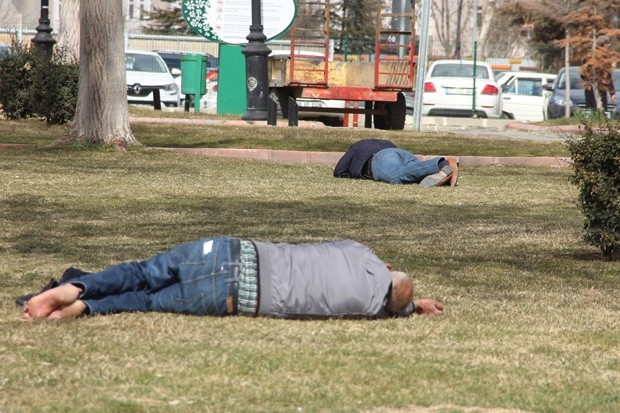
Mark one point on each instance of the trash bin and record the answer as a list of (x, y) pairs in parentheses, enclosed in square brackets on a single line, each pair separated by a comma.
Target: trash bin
[(193, 78), (231, 99)]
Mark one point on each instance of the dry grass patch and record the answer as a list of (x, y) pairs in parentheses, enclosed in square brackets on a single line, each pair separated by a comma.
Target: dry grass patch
[(532, 315)]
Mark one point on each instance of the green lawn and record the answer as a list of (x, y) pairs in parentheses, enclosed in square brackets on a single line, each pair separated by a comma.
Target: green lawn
[(190, 133), (532, 320)]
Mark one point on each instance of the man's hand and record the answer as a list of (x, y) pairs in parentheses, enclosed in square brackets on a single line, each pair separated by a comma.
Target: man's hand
[(428, 306)]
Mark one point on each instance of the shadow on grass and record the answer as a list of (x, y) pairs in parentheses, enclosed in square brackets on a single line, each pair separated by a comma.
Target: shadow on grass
[(422, 238)]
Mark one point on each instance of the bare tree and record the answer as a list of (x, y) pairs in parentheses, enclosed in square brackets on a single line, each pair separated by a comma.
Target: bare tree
[(444, 15), (102, 112), (69, 31), (486, 20)]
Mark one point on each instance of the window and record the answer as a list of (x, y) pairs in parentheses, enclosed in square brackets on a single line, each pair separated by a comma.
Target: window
[(460, 70)]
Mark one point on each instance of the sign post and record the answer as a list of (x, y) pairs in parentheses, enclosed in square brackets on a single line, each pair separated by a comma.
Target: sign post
[(257, 78), (227, 21)]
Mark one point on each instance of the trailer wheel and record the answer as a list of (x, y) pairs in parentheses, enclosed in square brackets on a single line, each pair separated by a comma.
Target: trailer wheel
[(280, 97), (396, 114)]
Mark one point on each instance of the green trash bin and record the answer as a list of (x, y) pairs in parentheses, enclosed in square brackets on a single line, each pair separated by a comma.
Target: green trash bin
[(193, 78)]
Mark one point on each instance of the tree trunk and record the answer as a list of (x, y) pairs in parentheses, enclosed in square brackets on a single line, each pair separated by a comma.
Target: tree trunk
[(102, 112), (69, 32), (485, 25)]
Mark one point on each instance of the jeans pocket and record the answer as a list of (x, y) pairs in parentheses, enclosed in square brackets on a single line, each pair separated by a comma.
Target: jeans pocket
[(195, 304)]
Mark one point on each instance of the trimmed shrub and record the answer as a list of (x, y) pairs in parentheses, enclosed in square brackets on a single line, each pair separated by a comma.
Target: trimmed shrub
[(32, 84), (596, 166), (16, 82), (55, 88)]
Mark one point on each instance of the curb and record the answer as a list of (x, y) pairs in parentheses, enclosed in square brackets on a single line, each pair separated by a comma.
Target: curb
[(331, 158), (560, 129)]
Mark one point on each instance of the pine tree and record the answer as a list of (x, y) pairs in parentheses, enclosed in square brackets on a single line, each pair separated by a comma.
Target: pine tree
[(168, 20), (354, 25)]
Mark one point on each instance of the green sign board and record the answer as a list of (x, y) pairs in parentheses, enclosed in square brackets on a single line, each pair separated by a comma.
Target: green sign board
[(228, 21)]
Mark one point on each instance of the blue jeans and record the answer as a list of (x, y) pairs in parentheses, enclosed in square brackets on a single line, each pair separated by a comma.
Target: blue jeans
[(397, 166), (191, 278)]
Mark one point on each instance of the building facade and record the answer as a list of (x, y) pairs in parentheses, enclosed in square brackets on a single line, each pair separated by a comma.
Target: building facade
[(20, 16)]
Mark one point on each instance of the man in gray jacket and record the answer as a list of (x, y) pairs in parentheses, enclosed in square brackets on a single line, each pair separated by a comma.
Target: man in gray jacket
[(230, 276)]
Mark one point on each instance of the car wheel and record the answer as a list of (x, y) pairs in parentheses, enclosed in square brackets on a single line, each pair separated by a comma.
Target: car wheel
[(396, 114), (280, 97), (506, 115)]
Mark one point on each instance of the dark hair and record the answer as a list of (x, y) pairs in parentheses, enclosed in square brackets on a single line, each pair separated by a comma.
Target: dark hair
[(602, 40)]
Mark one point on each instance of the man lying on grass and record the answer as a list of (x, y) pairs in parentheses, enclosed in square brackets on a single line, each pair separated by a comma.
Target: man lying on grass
[(230, 276), (381, 160)]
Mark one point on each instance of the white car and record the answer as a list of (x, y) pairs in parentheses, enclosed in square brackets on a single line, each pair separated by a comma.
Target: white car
[(449, 90), (146, 71), (523, 95)]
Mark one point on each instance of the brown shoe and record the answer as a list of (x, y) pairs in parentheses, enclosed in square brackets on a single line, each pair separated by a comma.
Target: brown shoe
[(454, 164)]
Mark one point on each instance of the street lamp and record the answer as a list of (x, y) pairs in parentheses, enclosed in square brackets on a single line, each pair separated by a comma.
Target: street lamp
[(257, 77), (43, 40)]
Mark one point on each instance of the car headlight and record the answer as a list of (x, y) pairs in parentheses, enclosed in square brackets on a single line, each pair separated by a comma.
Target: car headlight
[(171, 88), (561, 101)]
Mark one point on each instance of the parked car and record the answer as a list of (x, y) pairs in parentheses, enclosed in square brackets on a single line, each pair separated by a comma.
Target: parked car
[(557, 101), (173, 61), (523, 94), (449, 90), (147, 71), (5, 49), (409, 101)]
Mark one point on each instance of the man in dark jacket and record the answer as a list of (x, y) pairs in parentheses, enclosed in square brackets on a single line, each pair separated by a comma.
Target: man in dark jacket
[(229, 276), (596, 73), (381, 160)]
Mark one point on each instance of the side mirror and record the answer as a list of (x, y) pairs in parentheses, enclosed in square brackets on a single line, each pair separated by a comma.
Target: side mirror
[(548, 86), (175, 72)]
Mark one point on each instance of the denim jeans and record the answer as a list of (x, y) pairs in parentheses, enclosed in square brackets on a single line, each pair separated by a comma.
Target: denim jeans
[(397, 166), (191, 278)]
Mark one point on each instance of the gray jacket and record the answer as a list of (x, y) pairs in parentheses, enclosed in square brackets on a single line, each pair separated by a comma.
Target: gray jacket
[(333, 279)]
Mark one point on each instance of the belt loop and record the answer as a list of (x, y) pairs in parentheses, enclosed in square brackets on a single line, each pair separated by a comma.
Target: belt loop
[(232, 301)]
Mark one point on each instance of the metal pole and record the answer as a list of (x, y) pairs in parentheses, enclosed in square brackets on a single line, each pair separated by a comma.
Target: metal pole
[(457, 47), (568, 100), (421, 65), (475, 50), (257, 76), (43, 40)]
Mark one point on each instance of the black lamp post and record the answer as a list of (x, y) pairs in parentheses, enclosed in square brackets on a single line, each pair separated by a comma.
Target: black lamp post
[(43, 40), (257, 76)]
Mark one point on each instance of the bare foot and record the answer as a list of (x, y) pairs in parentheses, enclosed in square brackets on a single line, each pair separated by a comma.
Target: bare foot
[(70, 311), (44, 304)]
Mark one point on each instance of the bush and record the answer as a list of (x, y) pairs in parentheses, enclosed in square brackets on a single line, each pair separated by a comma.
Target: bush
[(55, 88), (32, 84), (596, 165), (16, 82)]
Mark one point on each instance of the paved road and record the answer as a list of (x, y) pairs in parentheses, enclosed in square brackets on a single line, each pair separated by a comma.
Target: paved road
[(506, 129)]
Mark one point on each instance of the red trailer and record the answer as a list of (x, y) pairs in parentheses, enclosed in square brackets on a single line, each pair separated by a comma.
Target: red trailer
[(373, 88)]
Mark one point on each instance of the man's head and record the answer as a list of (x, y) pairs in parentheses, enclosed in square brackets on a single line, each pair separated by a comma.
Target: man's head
[(401, 294), (602, 40)]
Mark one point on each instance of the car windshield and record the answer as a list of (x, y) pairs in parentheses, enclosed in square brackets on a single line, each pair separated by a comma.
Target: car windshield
[(575, 80), (616, 77), (5, 49), (173, 62), (460, 70), (144, 63)]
